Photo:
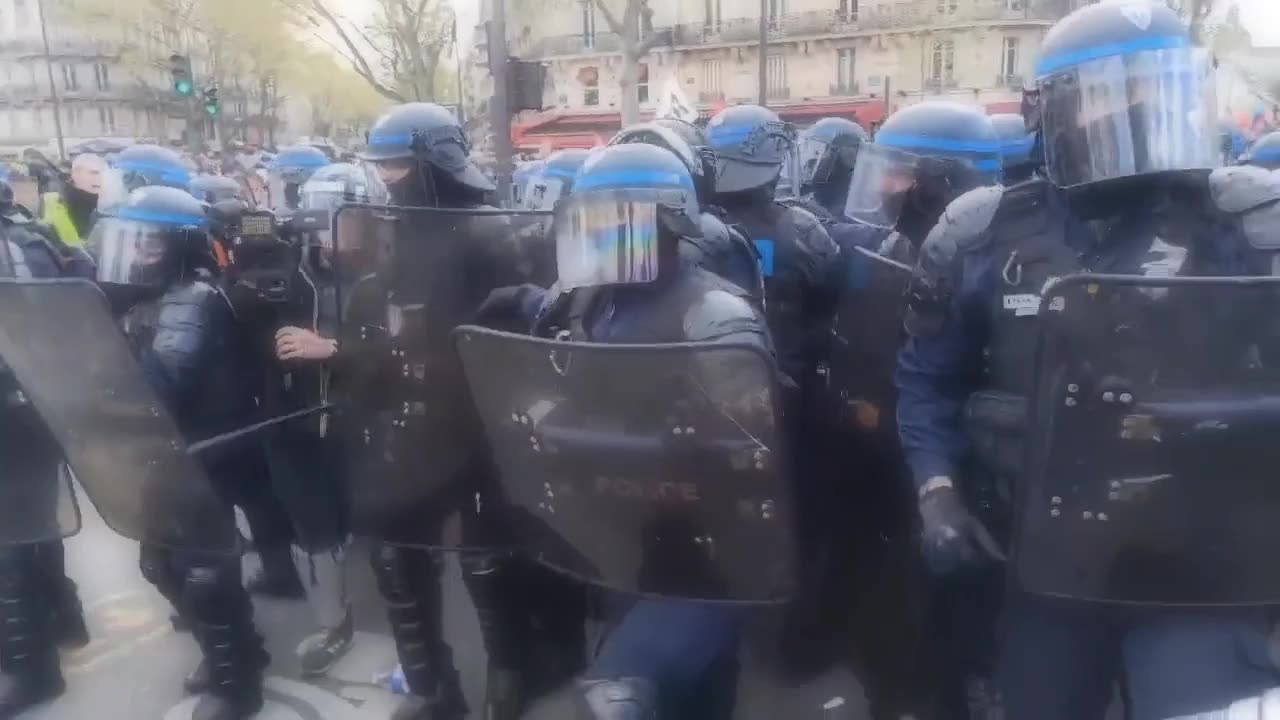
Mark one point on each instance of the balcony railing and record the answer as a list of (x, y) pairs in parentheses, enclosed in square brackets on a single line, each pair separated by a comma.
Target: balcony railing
[(845, 88), (816, 23), (779, 93), (1009, 81), (710, 96), (939, 84)]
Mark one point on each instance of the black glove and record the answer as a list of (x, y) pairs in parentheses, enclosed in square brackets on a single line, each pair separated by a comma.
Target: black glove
[(953, 539)]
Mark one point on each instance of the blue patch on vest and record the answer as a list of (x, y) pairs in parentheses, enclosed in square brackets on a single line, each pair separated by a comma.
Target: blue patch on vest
[(765, 248)]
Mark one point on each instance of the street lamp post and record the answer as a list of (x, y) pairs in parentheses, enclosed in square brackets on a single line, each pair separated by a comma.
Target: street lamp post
[(764, 53), (53, 87)]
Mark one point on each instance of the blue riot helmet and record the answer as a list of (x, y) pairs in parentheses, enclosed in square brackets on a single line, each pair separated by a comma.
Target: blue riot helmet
[(142, 165), (1017, 147), (214, 188), (554, 181), (630, 206), (687, 142), (426, 157), (289, 170), (1265, 151), (1124, 94), (923, 157), (752, 144), (829, 149), (151, 240)]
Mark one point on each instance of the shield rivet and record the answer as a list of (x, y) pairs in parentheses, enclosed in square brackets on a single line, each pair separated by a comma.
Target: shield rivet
[(1103, 517), (1087, 515), (1056, 500), (677, 431), (1073, 388), (1071, 402), (1126, 398), (1108, 396), (689, 430), (766, 509), (1055, 512)]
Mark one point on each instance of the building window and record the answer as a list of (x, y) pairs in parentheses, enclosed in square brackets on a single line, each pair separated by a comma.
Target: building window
[(590, 79), (777, 75), (642, 82), (588, 23), (73, 117), (948, 7), (1016, 5), (101, 76), (711, 77), (1009, 58), (70, 81), (107, 119), (846, 65), (849, 10), (239, 108), (711, 16), (943, 68)]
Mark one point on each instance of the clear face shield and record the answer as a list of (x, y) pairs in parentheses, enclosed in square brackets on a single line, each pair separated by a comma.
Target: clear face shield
[(878, 188), (1129, 115), (811, 152), (542, 192), (132, 252), (608, 237)]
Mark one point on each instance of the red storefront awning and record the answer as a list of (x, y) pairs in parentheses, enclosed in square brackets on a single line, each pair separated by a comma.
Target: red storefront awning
[(864, 113), (1013, 107)]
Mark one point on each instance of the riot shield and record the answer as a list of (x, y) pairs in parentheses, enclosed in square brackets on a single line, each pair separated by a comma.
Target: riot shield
[(1150, 468), (74, 365), (415, 454), (650, 469), (865, 352)]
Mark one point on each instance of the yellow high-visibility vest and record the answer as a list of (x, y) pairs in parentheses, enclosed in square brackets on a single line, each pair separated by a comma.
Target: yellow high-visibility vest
[(58, 216)]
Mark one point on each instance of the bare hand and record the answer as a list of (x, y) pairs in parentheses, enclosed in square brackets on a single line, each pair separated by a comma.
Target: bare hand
[(295, 343)]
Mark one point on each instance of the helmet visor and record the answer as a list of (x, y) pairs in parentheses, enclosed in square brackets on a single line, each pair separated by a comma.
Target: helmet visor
[(1127, 115), (811, 152), (607, 238), (879, 185), (542, 193), (131, 252)]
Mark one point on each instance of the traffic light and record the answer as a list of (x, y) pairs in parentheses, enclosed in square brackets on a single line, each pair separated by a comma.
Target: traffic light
[(211, 101), (525, 83), (180, 68)]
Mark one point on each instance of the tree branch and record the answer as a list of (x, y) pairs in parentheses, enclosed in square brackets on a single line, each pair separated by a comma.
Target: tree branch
[(615, 25), (357, 59)]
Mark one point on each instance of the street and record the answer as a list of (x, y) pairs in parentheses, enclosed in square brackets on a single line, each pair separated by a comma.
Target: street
[(134, 665)]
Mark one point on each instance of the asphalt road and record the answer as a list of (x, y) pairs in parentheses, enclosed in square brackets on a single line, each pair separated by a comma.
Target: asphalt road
[(133, 668)]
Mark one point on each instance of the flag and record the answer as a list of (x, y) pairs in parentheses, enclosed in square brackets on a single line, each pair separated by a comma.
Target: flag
[(674, 104)]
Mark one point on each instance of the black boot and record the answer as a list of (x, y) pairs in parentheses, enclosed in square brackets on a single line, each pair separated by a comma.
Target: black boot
[(277, 578), (22, 691), (28, 653), (232, 647), (66, 614), (621, 699), (409, 581)]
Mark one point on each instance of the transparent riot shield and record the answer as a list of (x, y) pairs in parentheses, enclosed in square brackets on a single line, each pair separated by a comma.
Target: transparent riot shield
[(1152, 453), (651, 469), (73, 364), (865, 352), (408, 276)]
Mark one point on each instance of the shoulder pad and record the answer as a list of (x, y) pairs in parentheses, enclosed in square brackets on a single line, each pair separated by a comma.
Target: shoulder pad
[(713, 228), (804, 219), (1243, 188), (962, 228), (719, 313)]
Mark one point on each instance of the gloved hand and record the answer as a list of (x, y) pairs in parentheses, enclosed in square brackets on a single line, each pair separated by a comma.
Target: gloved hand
[(953, 539), (295, 343)]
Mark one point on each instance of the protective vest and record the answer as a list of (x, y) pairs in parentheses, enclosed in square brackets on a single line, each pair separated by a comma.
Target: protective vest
[(58, 216)]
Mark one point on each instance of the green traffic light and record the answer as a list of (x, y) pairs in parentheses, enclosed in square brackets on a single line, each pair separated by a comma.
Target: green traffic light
[(184, 87), (211, 109)]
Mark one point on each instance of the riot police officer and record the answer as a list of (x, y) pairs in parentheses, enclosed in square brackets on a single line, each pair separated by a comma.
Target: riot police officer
[(1115, 163), (184, 333), (800, 261), (1017, 144), (828, 151), (723, 249), (215, 188), (422, 156), (552, 179), (39, 607), (624, 278), (139, 166), (1265, 152), (289, 170)]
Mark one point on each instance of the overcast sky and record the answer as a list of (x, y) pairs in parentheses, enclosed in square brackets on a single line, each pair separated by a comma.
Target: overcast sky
[(1262, 19)]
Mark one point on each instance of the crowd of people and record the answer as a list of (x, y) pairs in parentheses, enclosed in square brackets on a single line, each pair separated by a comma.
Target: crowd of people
[(873, 335)]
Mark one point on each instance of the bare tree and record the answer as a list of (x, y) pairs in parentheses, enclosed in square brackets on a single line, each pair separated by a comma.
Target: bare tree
[(1196, 13), (635, 36), (398, 53)]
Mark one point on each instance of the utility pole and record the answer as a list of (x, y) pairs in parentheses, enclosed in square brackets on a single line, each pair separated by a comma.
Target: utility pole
[(764, 53), (500, 105), (457, 58), (53, 87)]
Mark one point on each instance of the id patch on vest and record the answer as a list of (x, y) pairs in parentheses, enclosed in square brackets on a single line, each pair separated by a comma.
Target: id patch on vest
[(765, 247), (1022, 304)]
